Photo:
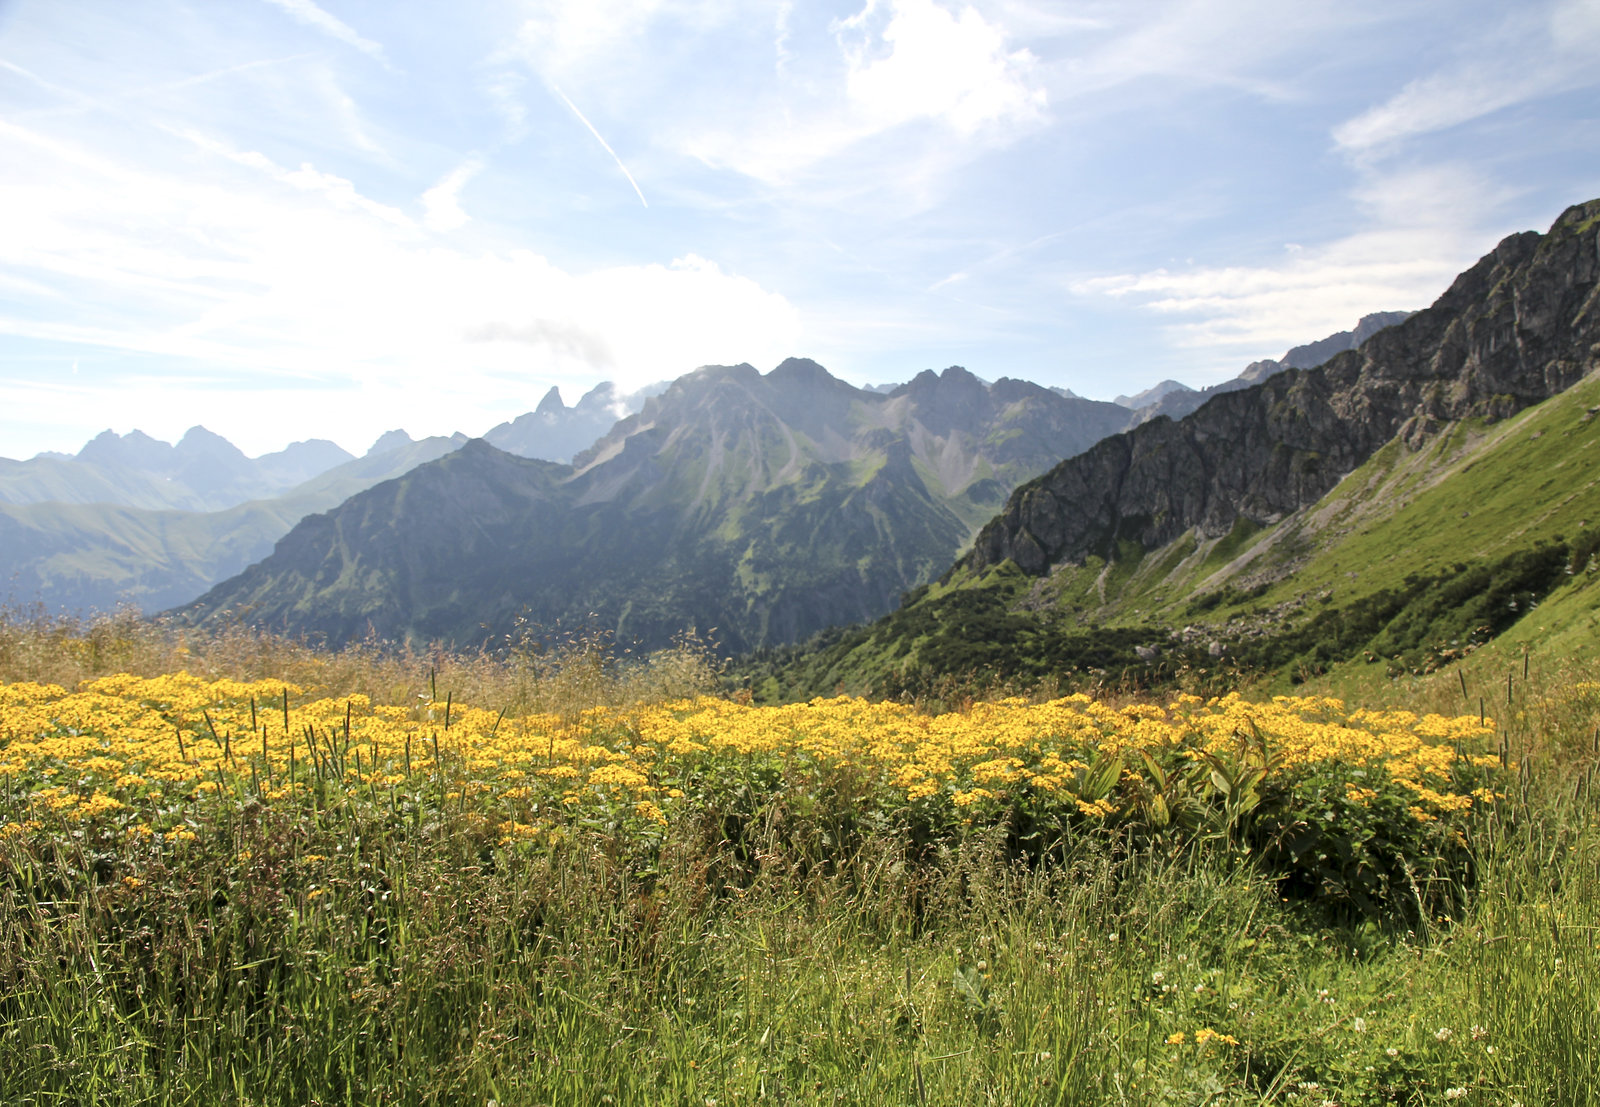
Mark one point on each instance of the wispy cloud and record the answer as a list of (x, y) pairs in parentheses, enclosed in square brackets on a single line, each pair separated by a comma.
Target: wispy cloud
[(1526, 56), (1413, 218), (313, 15), (338, 190), (1424, 226)]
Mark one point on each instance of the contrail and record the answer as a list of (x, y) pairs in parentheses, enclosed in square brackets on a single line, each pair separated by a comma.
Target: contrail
[(585, 121)]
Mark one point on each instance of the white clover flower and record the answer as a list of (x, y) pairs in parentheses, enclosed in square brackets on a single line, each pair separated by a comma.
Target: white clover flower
[(1360, 1025), (1443, 1033)]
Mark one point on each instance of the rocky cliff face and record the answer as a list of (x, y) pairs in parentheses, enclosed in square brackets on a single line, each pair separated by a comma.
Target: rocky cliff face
[(1176, 402), (1520, 326)]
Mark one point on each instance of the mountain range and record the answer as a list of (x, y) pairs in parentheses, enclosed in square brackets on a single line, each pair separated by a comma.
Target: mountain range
[(202, 472), (130, 519), (77, 557), (766, 506), (1399, 506)]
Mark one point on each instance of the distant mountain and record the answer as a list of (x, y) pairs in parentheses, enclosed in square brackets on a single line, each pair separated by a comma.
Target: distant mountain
[(79, 557), (203, 472), (555, 432), (1154, 394), (1176, 400), (1400, 504), (764, 506), (131, 519), (387, 441)]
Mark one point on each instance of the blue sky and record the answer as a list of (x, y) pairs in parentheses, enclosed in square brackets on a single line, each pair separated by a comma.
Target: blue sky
[(286, 219)]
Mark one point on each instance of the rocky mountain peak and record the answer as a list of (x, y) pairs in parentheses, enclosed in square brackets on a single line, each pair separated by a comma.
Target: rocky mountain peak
[(601, 397), (551, 404), (801, 369), (134, 450), (389, 440), (1152, 394), (197, 442)]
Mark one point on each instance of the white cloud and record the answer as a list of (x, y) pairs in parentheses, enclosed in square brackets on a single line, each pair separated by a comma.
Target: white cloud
[(1424, 227), (939, 65), (294, 280), (441, 204), (573, 38), (896, 63), (312, 15), (341, 192)]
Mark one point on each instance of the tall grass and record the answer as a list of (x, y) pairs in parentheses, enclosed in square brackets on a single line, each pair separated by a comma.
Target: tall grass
[(361, 951), (561, 672)]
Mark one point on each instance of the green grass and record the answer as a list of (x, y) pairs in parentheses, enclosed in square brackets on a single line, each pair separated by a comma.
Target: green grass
[(428, 972), (362, 951)]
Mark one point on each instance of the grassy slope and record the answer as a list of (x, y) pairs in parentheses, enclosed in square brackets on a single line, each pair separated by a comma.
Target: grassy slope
[(1467, 500), (1472, 492)]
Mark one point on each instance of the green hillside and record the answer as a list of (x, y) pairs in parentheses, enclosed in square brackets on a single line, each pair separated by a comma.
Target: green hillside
[(1421, 556)]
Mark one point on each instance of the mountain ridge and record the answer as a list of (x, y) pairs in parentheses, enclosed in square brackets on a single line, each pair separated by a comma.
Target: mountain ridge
[(768, 505), (1262, 452)]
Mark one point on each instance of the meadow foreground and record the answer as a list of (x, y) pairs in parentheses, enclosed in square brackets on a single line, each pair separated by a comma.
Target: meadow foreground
[(580, 882)]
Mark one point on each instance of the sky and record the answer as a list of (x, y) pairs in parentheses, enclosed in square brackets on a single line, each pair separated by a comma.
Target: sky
[(291, 219)]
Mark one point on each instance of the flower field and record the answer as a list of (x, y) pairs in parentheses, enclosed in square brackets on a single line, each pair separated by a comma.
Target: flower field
[(281, 892), (146, 753), (1340, 802)]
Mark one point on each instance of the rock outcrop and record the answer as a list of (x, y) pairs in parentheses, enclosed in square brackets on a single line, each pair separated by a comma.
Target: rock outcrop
[(1518, 327)]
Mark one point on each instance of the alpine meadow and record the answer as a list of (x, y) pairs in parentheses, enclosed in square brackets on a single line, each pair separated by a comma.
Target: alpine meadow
[(910, 723)]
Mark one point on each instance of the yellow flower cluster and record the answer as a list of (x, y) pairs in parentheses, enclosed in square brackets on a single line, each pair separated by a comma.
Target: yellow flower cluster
[(1202, 1037), (124, 741)]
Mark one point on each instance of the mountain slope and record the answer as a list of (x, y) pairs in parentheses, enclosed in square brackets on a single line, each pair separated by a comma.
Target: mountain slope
[(1515, 329), (766, 506), (1176, 402), (1399, 506)]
